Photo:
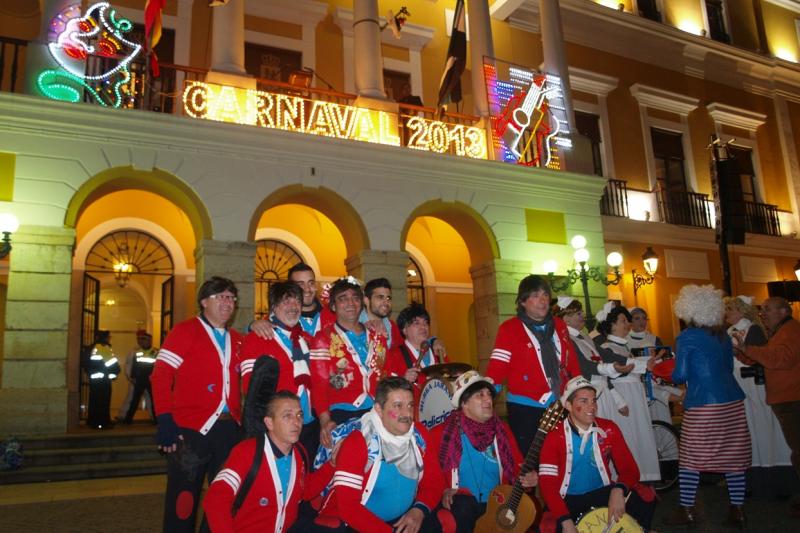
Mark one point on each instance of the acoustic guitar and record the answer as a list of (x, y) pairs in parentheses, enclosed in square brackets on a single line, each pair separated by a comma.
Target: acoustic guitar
[(509, 509)]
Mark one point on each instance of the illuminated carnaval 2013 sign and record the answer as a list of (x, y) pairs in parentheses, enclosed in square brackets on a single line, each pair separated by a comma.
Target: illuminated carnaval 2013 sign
[(314, 117)]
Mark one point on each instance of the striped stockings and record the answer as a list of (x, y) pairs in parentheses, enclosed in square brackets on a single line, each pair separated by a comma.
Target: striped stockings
[(689, 479)]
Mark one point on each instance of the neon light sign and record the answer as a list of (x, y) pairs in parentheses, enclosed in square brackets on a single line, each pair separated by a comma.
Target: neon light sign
[(74, 40), (329, 119), (528, 118)]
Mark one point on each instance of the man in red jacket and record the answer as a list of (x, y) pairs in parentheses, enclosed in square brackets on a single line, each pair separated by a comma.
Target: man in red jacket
[(476, 451), (281, 481), (387, 473), (534, 354), (196, 394), (574, 467), (289, 346), (314, 315)]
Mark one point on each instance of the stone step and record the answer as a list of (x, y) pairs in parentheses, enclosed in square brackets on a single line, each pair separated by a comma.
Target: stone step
[(95, 455), (37, 474), (85, 439)]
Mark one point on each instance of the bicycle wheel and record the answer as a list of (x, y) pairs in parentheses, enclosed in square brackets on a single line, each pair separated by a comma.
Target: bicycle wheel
[(667, 445)]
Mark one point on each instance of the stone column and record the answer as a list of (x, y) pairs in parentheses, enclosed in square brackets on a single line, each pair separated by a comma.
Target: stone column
[(367, 45), (494, 286), (371, 264), (234, 260), (33, 394), (227, 46), (37, 56), (480, 45)]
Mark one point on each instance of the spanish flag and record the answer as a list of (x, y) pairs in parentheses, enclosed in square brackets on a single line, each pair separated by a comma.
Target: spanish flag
[(152, 30)]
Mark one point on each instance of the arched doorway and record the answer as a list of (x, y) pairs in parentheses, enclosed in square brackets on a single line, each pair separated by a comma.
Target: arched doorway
[(274, 258), (124, 271)]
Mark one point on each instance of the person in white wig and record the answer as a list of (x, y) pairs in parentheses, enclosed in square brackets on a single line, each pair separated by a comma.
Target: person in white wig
[(597, 364), (771, 472), (714, 434), (614, 322)]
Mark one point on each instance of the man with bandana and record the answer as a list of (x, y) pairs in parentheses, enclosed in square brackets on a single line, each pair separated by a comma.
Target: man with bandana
[(534, 355), (347, 361), (476, 451), (196, 395), (387, 472), (289, 346), (574, 466)]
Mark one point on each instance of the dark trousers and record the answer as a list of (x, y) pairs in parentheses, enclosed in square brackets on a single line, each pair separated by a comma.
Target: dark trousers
[(99, 403), (523, 421), (309, 438), (139, 386), (197, 456), (639, 509), (466, 510), (788, 415)]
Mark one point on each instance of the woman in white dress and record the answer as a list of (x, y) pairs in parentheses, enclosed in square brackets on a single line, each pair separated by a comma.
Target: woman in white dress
[(615, 323), (597, 365), (662, 393), (771, 472)]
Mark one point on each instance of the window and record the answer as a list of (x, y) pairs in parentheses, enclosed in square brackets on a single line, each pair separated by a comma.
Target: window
[(270, 63), (668, 156), (415, 285), (273, 261), (588, 125), (394, 83), (649, 9), (716, 21), (747, 173)]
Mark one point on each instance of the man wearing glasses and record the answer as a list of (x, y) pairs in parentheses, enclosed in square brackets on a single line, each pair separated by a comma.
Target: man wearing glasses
[(196, 394)]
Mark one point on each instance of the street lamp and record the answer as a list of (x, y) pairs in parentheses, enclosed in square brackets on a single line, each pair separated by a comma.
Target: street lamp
[(650, 261), (582, 272), (8, 224)]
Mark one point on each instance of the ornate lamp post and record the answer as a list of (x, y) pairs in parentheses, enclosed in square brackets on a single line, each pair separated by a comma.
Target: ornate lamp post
[(650, 261)]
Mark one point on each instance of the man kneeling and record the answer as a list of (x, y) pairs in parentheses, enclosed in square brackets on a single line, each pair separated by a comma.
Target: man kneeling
[(387, 475), (574, 473)]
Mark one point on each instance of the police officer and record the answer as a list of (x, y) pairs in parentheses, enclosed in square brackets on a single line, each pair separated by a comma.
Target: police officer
[(102, 368), (144, 359)]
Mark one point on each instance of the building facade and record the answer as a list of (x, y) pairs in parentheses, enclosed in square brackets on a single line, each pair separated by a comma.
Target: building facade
[(282, 131)]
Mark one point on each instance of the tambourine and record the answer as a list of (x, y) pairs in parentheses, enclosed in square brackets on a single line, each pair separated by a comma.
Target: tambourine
[(596, 521)]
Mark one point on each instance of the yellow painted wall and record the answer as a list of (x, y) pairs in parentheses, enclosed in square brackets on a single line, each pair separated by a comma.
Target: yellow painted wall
[(451, 324), (444, 248), (274, 27), (742, 19), (141, 204), (782, 32), (313, 228), (686, 15)]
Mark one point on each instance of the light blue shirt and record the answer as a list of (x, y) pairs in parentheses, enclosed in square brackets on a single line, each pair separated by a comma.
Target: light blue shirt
[(585, 475), (478, 472), (393, 493)]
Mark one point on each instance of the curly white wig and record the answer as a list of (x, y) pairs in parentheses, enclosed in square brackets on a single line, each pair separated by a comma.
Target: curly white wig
[(700, 305)]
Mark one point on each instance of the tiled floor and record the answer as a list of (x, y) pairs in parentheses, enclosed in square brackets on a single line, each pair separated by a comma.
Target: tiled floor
[(76, 490)]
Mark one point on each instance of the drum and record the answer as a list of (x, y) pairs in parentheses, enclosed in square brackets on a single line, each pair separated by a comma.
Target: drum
[(434, 402), (448, 371), (596, 521)]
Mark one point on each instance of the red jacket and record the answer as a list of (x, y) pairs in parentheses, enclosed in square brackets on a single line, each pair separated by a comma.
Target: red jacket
[(346, 502), (190, 380), (451, 479), (332, 356), (326, 317), (254, 347), (516, 358), (260, 510), (555, 462)]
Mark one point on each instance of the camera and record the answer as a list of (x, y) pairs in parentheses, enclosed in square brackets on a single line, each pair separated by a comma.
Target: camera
[(756, 372)]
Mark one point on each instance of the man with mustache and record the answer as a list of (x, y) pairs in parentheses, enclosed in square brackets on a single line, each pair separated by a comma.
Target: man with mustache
[(196, 395), (346, 361), (387, 473), (289, 346), (281, 481)]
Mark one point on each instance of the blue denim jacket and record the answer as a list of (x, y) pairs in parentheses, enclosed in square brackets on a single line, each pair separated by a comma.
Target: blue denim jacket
[(705, 363)]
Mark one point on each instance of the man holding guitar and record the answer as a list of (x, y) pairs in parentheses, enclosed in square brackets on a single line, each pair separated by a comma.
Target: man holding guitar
[(575, 469), (476, 451)]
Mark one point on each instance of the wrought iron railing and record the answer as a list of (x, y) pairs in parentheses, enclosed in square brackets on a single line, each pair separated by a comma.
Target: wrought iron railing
[(615, 199), (683, 208), (762, 219), (11, 66)]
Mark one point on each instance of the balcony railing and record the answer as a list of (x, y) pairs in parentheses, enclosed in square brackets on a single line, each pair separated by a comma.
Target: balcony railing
[(684, 208), (614, 202), (762, 219), (11, 67)]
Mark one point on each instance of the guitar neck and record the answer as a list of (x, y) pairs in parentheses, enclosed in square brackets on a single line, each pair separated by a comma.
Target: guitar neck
[(530, 463)]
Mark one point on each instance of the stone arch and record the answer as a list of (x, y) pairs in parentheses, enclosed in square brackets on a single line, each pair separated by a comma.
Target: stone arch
[(331, 204), (156, 181), (475, 231)]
